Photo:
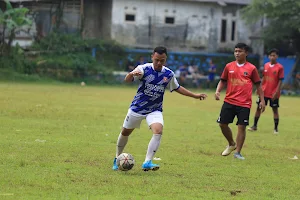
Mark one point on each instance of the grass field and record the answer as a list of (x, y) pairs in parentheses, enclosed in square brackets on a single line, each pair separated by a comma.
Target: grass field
[(58, 142)]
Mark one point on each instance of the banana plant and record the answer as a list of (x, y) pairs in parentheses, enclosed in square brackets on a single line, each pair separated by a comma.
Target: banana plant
[(12, 20)]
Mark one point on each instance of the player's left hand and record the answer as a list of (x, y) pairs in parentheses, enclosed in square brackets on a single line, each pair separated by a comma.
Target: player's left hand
[(201, 96), (275, 96)]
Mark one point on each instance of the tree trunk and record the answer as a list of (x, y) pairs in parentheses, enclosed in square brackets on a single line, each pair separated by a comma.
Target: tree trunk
[(11, 38), (2, 43)]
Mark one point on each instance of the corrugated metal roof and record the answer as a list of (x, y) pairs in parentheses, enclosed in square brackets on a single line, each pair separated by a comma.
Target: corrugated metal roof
[(224, 2), (220, 2), (20, 1), (242, 2)]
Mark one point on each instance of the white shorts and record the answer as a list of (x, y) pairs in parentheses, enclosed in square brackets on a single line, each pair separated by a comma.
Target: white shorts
[(133, 119)]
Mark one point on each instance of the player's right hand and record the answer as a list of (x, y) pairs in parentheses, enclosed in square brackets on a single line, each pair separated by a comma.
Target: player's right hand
[(136, 73), (217, 96), (262, 106)]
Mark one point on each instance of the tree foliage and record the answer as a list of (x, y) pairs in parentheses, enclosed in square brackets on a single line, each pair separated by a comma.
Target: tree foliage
[(283, 22), (12, 20)]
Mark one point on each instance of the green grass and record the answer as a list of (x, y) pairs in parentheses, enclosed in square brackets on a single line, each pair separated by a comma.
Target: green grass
[(58, 142)]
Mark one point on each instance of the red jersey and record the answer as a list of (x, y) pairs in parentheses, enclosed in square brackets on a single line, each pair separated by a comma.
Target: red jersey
[(239, 83), (272, 74)]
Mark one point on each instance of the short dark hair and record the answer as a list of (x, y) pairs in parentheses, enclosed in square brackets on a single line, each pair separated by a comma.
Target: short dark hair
[(243, 46), (160, 50), (273, 51)]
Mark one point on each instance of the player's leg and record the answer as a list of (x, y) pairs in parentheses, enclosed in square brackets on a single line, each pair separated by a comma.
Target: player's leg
[(131, 121), (240, 139), (275, 105), (122, 140), (226, 116), (243, 120), (257, 115), (155, 122)]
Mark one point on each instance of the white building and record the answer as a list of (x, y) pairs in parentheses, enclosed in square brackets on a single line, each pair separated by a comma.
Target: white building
[(208, 25), (193, 25)]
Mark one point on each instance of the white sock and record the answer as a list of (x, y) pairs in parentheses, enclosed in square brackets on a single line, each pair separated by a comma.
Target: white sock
[(121, 143), (153, 146)]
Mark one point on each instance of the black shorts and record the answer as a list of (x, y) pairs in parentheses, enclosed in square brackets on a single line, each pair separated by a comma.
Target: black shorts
[(273, 104), (229, 111)]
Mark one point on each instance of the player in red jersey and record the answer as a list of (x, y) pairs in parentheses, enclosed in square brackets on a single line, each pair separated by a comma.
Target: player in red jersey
[(273, 75), (239, 76)]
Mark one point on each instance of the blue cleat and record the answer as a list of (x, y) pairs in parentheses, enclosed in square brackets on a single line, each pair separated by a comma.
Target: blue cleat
[(148, 165), (115, 166), (239, 156)]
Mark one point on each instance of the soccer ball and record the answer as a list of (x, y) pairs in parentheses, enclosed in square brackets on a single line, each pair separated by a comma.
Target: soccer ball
[(125, 161)]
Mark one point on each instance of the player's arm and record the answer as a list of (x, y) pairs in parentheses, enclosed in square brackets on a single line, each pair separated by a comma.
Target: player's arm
[(260, 93), (256, 80), (137, 73), (279, 85), (173, 85), (183, 91), (276, 94), (222, 83)]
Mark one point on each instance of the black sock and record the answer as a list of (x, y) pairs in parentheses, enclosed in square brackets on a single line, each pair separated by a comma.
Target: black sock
[(276, 122), (255, 121)]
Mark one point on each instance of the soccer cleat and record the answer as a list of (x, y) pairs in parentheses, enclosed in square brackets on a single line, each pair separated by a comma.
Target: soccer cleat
[(115, 166), (276, 132), (238, 156), (148, 165), (228, 150), (253, 128)]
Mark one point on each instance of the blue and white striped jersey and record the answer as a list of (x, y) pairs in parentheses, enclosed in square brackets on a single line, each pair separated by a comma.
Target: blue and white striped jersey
[(149, 97)]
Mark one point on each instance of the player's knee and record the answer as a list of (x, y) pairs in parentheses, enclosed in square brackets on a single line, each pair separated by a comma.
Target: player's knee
[(157, 131), (126, 132), (223, 125), (241, 127)]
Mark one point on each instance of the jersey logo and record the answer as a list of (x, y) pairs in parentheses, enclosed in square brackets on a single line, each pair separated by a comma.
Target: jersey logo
[(266, 70), (245, 73), (274, 72), (165, 79), (231, 71)]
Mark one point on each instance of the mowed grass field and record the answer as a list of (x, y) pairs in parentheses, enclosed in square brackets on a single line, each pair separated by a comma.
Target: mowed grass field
[(58, 142)]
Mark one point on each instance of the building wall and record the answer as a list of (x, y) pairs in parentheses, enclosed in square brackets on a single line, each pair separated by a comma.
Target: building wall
[(46, 18), (196, 25), (97, 23)]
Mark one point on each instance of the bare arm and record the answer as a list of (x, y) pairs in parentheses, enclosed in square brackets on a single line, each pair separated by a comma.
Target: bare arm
[(181, 90), (261, 96), (220, 87), (276, 94), (130, 76), (262, 80)]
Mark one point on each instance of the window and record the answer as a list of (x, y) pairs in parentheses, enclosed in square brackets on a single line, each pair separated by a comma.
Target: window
[(233, 31), (130, 17), (223, 30), (169, 20)]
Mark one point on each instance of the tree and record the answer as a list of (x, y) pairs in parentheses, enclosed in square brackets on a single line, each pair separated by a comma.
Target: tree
[(12, 20), (283, 22)]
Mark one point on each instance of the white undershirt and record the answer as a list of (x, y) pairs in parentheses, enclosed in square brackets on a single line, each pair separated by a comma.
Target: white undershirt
[(240, 65), (271, 65)]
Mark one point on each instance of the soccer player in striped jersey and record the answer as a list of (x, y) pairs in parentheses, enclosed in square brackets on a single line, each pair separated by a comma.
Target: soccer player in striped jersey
[(147, 104)]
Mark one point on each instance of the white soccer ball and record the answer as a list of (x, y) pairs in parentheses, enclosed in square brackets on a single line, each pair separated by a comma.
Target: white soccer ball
[(125, 161)]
